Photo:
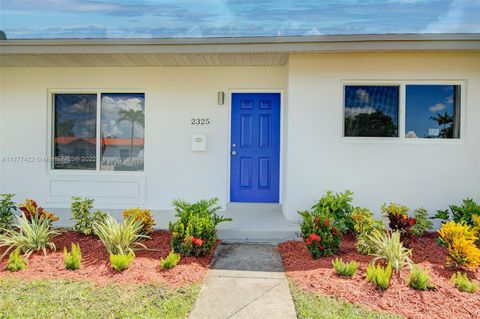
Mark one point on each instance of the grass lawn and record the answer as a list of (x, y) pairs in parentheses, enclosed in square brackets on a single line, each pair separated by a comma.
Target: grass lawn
[(312, 305), (81, 299)]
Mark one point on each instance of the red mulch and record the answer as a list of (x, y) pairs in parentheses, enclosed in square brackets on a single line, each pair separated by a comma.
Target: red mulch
[(443, 302), (96, 267)]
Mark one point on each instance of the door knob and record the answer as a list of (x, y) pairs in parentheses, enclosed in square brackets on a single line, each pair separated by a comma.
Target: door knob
[(234, 153)]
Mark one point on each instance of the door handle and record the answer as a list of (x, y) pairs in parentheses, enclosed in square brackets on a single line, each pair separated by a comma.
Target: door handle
[(234, 153)]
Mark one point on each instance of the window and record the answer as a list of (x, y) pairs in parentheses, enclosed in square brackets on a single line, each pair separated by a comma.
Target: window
[(123, 121), (120, 131), (432, 111), (371, 111), (75, 131)]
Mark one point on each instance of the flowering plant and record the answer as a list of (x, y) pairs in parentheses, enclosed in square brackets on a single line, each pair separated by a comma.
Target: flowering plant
[(29, 208), (196, 241), (194, 231), (398, 220), (321, 236)]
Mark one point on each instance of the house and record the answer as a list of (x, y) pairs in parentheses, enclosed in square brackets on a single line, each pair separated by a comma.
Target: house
[(139, 122)]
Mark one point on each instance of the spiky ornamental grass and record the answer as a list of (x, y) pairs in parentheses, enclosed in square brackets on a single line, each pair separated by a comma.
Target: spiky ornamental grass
[(29, 236), (389, 247), (343, 268), (464, 284), (120, 238), (170, 261), (72, 259), (419, 279)]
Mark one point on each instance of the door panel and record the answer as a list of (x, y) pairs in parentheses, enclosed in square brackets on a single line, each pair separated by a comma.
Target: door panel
[(255, 148)]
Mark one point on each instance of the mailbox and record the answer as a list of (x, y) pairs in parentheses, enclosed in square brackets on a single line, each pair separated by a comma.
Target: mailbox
[(199, 142)]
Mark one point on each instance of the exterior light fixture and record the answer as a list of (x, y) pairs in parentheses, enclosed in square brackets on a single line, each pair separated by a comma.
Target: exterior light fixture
[(221, 98)]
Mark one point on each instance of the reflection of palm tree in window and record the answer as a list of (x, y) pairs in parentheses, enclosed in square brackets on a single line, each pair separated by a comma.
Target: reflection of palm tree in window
[(63, 128), (134, 117), (443, 120)]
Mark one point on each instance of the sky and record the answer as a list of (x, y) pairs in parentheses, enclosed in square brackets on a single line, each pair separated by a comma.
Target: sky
[(24, 19)]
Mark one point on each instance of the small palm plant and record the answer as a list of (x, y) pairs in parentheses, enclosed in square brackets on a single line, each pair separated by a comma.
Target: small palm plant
[(120, 238), (29, 235)]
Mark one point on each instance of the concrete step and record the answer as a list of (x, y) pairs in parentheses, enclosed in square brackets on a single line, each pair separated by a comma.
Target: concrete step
[(257, 223)]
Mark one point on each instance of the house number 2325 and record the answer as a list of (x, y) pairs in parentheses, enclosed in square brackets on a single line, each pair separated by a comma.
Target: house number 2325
[(199, 121)]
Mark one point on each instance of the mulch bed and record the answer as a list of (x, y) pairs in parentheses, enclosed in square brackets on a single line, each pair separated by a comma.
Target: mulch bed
[(96, 267), (443, 302)]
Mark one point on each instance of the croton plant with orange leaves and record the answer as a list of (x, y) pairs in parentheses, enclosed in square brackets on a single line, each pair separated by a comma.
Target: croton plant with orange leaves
[(30, 208)]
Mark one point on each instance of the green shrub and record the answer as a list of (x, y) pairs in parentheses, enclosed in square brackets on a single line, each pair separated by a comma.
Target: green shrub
[(345, 269), (194, 232), (143, 215), (16, 262), (321, 236), (463, 213), (463, 284), (423, 223), (29, 235), (81, 213), (120, 262), (170, 261), (119, 239), (73, 258), (7, 211), (419, 279), (379, 275), (336, 207), (389, 247), (364, 226)]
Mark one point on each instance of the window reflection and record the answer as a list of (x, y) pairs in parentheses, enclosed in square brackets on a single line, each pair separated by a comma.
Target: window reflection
[(122, 131), (371, 111), (433, 111), (75, 131)]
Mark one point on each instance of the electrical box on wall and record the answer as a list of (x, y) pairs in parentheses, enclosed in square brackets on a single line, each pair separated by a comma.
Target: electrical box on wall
[(199, 142)]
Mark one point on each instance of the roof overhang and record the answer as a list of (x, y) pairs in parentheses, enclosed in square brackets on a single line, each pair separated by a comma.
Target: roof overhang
[(219, 51)]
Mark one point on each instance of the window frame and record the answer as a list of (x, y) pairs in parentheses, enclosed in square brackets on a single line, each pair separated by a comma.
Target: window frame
[(51, 137), (402, 108)]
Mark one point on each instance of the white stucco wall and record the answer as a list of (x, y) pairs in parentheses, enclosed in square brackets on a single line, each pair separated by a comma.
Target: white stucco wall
[(172, 97), (432, 174), (315, 155)]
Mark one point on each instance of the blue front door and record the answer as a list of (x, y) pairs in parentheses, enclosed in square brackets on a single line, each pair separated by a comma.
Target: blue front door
[(255, 148)]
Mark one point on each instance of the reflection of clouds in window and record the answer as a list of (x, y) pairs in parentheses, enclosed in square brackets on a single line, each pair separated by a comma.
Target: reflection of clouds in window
[(433, 111), (437, 107), (362, 95), (111, 106), (354, 111), (122, 131), (75, 131), (371, 110)]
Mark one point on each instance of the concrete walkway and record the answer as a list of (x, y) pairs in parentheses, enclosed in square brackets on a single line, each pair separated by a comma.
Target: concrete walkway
[(245, 281)]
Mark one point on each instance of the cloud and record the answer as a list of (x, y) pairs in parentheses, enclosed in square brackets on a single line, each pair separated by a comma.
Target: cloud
[(462, 16), (363, 96), (354, 111), (437, 107)]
